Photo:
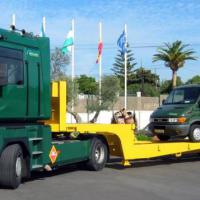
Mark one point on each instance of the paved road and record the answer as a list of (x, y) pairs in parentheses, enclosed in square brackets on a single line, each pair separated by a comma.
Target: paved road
[(149, 180)]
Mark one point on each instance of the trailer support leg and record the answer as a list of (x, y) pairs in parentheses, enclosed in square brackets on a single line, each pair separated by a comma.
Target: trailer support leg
[(126, 163)]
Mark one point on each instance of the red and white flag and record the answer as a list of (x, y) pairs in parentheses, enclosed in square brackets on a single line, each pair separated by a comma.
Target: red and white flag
[(100, 48)]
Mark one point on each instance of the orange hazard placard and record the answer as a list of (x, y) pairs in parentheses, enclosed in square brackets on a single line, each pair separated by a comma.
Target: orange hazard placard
[(53, 154)]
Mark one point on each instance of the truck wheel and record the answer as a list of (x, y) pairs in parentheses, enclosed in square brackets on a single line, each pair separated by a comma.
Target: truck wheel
[(194, 134), (11, 166), (163, 137), (98, 156)]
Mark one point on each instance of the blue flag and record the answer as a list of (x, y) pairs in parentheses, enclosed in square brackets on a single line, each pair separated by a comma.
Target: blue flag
[(121, 42)]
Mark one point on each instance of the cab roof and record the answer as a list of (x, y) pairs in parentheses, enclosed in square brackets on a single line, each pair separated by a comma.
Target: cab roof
[(188, 86), (17, 37)]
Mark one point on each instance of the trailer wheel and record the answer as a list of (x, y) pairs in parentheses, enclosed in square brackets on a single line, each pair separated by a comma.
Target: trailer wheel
[(11, 166), (194, 134), (163, 137), (98, 156)]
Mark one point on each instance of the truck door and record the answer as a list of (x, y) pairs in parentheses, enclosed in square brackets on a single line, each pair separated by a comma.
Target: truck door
[(12, 88), (33, 83)]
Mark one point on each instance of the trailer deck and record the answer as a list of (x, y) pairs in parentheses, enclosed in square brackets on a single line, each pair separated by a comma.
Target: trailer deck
[(120, 138)]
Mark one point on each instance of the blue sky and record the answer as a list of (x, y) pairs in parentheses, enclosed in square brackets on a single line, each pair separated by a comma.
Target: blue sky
[(150, 22)]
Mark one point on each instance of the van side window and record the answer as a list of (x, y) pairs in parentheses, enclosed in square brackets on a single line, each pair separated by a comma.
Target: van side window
[(11, 66)]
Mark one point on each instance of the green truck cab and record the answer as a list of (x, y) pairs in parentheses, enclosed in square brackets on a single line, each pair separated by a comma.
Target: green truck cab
[(24, 77), (179, 115), (26, 142)]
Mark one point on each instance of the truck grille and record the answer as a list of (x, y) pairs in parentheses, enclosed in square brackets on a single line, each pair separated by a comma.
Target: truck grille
[(161, 120), (159, 127)]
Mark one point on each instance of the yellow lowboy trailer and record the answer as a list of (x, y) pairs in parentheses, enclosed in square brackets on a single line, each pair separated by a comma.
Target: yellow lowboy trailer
[(120, 138)]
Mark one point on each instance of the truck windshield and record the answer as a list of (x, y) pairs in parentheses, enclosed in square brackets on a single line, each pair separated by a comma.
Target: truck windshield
[(183, 96)]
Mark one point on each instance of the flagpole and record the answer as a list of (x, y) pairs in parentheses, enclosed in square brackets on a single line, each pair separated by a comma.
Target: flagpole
[(125, 69), (13, 20), (73, 66), (44, 24), (100, 64)]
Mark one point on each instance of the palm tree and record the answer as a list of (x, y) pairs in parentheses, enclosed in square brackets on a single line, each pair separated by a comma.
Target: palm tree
[(174, 56)]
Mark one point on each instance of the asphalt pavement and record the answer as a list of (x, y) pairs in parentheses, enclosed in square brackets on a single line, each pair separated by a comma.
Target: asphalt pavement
[(146, 180)]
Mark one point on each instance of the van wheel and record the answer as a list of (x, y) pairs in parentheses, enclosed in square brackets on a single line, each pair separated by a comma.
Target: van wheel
[(194, 134), (163, 137), (11, 166), (98, 155)]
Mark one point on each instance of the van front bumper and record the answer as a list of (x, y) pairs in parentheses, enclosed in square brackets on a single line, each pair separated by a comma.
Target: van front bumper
[(172, 130)]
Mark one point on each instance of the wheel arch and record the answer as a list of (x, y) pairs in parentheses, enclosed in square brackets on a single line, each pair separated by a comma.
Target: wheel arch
[(104, 140), (194, 137), (195, 123), (20, 141)]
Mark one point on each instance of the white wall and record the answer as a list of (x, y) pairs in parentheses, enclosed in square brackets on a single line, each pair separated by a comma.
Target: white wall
[(143, 118), (106, 116)]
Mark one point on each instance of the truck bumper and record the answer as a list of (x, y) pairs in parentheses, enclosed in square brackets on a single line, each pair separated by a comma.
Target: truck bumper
[(172, 130)]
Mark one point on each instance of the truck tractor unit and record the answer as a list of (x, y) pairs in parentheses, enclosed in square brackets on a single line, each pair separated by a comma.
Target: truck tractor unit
[(26, 142)]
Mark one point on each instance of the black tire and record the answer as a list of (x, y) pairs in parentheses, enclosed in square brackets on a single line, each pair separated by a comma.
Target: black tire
[(194, 134), (11, 166), (163, 137), (98, 155)]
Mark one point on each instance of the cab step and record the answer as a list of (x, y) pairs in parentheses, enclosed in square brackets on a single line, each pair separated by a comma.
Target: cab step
[(37, 153), (37, 166), (35, 139)]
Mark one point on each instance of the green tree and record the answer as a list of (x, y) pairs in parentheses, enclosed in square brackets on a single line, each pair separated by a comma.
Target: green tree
[(87, 85), (72, 91), (194, 80), (58, 64), (119, 65), (166, 86), (110, 92), (145, 81), (72, 96), (147, 90), (146, 76), (174, 56)]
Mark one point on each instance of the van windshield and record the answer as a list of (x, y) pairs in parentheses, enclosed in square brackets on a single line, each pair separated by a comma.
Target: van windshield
[(183, 96)]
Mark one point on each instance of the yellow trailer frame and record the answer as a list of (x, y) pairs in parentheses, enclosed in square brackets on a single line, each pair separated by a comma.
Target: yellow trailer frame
[(120, 138)]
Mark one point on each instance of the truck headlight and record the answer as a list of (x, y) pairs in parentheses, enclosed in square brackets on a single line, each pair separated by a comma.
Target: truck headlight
[(182, 120), (179, 120)]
